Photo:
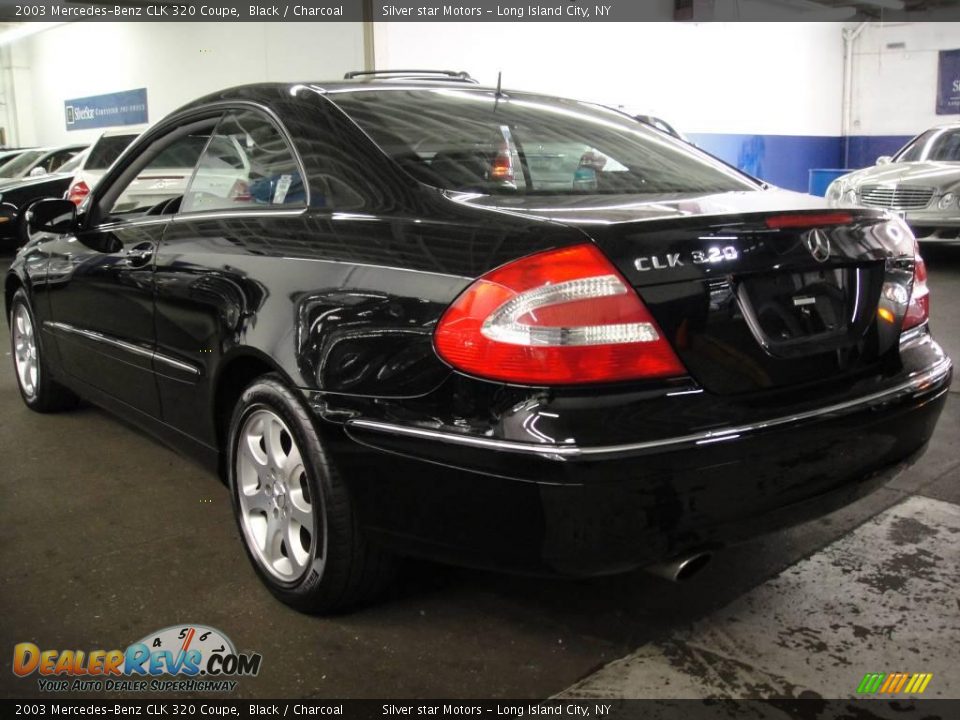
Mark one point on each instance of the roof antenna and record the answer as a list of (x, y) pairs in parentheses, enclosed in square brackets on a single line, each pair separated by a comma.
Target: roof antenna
[(499, 93)]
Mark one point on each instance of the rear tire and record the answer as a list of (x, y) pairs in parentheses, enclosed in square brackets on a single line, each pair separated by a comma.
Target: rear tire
[(40, 392), (294, 513)]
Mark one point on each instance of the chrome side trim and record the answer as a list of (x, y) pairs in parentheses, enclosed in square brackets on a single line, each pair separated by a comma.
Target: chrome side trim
[(920, 381), (123, 345), (236, 214), (139, 222)]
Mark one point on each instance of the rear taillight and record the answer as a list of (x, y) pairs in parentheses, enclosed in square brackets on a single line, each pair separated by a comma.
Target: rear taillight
[(918, 311), (559, 317), (240, 191), (78, 192), (502, 167)]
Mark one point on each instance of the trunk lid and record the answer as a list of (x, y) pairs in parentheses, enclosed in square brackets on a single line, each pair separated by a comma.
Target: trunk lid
[(755, 291)]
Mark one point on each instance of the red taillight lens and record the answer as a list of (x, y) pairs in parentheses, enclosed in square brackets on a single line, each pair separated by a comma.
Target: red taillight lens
[(502, 166), (559, 317), (240, 191), (918, 311), (78, 192)]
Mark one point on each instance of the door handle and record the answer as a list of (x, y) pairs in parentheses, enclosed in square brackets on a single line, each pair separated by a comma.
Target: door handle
[(138, 256)]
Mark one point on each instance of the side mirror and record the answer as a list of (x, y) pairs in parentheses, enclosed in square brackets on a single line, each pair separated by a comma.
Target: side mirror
[(38, 172), (884, 160), (52, 216)]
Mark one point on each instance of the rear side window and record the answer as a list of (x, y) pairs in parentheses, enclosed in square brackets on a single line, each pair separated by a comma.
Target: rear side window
[(247, 165), (473, 141), (106, 150)]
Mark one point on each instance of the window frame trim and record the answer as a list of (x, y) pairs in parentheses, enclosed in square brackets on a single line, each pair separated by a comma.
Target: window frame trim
[(214, 110), (240, 212)]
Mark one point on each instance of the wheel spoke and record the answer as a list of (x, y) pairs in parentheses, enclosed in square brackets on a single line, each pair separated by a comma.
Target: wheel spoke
[(297, 554), (302, 516), (273, 431), (256, 501), (292, 466), (251, 449), (272, 544)]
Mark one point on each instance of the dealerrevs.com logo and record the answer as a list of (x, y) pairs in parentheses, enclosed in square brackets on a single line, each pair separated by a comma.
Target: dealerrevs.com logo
[(179, 658)]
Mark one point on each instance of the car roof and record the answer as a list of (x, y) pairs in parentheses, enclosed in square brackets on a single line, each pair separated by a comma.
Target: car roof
[(269, 90)]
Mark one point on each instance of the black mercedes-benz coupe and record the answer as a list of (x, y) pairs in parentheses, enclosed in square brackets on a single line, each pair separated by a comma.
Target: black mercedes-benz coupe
[(428, 318)]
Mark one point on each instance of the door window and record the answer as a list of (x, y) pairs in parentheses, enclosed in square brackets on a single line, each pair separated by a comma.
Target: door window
[(247, 165), (57, 159), (158, 187)]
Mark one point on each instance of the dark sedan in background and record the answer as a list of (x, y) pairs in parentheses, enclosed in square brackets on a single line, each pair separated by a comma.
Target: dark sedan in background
[(15, 195), (415, 317)]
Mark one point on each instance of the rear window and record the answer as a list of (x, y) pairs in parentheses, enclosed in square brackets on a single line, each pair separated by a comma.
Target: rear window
[(107, 149), (471, 141)]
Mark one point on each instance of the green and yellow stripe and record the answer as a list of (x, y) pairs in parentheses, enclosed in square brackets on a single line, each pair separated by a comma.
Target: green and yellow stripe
[(893, 683)]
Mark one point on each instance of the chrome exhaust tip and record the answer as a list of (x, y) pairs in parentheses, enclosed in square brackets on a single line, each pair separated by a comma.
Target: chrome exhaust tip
[(682, 568)]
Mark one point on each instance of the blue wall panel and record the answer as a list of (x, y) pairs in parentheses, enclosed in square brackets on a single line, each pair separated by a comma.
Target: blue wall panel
[(786, 160), (865, 149)]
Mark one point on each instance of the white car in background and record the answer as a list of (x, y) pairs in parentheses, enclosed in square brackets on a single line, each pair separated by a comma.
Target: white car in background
[(99, 157), (921, 183)]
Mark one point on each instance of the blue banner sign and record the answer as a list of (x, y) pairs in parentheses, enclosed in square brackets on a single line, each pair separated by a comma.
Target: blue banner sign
[(948, 83), (98, 111)]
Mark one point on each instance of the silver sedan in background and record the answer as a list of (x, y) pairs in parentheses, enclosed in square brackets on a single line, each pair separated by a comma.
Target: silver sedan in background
[(921, 183)]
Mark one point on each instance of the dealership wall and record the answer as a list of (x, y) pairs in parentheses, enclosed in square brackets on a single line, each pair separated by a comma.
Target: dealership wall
[(895, 85), (176, 62), (765, 97)]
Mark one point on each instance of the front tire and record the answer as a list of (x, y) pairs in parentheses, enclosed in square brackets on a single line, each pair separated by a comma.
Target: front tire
[(292, 508), (40, 392)]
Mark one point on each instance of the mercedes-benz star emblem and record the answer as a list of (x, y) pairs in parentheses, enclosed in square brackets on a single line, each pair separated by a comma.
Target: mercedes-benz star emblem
[(818, 244)]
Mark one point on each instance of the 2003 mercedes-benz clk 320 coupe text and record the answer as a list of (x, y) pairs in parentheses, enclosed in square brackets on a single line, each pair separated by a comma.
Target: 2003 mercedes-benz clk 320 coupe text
[(427, 318)]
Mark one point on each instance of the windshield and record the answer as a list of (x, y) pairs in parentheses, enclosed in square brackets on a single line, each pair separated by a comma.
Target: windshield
[(524, 144), (20, 164), (938, 145), (107, 149)]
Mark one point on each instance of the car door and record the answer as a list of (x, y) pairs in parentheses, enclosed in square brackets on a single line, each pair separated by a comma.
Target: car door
[(246, 193), (101, 280)]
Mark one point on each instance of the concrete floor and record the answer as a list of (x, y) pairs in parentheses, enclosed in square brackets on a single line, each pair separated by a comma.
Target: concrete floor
[(91, 556)]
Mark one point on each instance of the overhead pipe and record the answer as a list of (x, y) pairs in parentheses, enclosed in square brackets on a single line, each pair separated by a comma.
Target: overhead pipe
[(849, 38)]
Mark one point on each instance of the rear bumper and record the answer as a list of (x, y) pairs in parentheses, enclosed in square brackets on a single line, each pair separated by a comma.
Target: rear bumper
[(934, 227), (584, 509)]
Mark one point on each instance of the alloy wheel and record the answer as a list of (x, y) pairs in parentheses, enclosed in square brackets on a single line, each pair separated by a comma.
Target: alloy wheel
[(278, 513), (25, 353)]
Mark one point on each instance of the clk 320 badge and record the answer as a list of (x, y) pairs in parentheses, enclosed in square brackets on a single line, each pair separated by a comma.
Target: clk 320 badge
[(697, 257)]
